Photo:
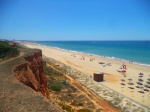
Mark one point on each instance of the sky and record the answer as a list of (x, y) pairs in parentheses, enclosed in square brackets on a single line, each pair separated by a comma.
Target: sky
[(75, 19)]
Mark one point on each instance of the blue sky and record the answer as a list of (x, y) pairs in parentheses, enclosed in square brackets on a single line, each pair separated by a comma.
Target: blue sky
[(75, 19)]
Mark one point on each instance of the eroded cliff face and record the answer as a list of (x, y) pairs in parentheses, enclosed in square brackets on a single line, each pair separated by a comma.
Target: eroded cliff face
[(31, 73)]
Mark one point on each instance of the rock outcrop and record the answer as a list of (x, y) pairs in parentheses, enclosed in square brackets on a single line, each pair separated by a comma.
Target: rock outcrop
[(31, 73)]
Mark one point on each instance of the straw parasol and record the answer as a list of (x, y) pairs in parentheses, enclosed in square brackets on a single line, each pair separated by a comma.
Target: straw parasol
[(139, 83), (122, 80), (148, 82), (141, 91), (132, 89), (147, 86), (131, 83), (130, 79), (145, 89), (141, 76), (141, 80), (141, 88), (122, 84), (138, 86)]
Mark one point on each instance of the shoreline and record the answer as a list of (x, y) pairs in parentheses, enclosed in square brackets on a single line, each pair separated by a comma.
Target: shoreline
[(101, 56)]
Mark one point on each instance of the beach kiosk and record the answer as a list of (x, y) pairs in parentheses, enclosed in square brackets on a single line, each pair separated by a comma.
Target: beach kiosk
[(99, 76)]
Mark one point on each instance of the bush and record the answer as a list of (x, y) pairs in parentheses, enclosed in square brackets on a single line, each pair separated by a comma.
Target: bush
[(50, 71), (80, 104), (55, 88), (7, 51), (66, 107)]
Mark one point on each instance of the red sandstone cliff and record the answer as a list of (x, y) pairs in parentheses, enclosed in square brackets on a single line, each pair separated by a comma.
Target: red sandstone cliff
[(31, 73)]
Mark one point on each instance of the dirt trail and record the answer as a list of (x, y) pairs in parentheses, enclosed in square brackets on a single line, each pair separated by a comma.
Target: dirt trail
[(5, 61), (93, 97)]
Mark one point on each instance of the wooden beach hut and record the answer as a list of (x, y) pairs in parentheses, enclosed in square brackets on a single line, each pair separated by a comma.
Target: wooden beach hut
[(99, 76)]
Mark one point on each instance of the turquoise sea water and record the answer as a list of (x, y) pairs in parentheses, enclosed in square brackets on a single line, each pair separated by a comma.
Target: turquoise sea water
[(136, 51)]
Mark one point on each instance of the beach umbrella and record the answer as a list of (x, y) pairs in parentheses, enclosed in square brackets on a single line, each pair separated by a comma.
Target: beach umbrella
[(138, 86), (122, 80), (131, 83), (148, 82), (131, 87), (122, 83), (140, 72), (145, 89), (142, 92), (140, 75), (141, 88), (130, 80), (148, 79), (147, 86), (141, 80), (132, 90), (139, 83)]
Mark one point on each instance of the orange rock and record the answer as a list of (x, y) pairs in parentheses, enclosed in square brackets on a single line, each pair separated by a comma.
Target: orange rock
[(31, 73)]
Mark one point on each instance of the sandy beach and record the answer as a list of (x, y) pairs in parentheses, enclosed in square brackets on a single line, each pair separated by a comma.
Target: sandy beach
[(89, 64)]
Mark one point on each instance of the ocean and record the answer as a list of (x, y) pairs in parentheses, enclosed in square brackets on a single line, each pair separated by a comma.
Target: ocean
[(134, 51)]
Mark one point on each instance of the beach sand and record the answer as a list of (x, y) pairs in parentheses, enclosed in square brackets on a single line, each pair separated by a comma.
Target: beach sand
[(112, 78)]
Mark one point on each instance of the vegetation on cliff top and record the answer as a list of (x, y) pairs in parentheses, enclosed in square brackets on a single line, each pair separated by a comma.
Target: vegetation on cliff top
[(66, 95), (6, 50)]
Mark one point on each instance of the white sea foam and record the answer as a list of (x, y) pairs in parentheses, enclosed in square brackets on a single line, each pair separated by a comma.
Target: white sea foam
[(112, 58)]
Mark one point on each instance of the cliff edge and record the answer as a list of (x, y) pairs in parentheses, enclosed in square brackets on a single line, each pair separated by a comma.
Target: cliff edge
[(31, 73), (18, 97)]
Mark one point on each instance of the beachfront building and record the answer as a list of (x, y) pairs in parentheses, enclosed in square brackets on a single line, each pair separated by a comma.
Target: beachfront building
[(99, 76)]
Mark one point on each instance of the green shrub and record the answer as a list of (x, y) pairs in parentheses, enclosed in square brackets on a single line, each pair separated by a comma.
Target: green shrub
[(55, 88), (7, 51), (66, 107), (80, 104), (50, 71)]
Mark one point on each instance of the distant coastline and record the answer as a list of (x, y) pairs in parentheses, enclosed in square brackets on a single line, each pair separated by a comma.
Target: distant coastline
[(56, 44)]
